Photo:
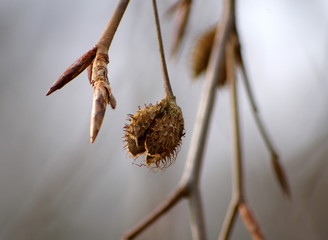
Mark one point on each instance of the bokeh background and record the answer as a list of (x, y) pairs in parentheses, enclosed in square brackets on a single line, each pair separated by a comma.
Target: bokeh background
[(54, 184)]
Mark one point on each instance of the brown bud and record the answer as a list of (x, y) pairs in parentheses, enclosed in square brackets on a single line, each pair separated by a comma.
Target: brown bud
[(102, 94), (73, 70), (182, 9), (201, 54), (156, 130), (250, 222), (281, 175)]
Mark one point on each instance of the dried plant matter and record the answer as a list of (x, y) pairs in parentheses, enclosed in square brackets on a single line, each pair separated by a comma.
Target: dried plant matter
[(156, 131), (102, 94), (96, 61), (201, 54), (250, 222), (222, 54), (182, 9), (200, 58), (73, 70)]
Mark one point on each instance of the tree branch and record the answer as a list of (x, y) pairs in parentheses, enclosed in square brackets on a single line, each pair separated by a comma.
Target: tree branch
[(107, 36), (191, 174), (277, 167)]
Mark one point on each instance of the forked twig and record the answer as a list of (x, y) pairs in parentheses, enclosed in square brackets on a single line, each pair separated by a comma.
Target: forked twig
[(237, 171), (96, 61), (238, 201), (226, 42), (278, 169), (189, 183)]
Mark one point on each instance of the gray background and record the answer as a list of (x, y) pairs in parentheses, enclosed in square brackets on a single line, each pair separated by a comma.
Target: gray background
[(54, 184)]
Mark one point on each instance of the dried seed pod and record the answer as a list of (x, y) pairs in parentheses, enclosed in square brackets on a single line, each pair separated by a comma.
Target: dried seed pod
[(201, 54), (156, 130)]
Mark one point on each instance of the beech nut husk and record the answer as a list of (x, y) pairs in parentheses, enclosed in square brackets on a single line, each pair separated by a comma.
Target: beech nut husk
[(156, 131)]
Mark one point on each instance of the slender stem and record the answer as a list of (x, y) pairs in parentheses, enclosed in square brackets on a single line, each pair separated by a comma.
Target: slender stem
[(178, 194), (167, 84), (195, 155), (255, 110), (196, 213), (279, 171), (237, 170), (229, 219), (189, 183), (107, 36), (237, 167)]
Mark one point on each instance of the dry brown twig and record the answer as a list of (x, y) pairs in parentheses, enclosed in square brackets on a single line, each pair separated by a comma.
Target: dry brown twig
[(226, 42), (96, 61), (189, 183), (224, 54), (182, 9)]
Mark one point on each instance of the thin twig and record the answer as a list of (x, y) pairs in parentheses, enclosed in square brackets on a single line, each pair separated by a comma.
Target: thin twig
[(196, 213), (238, 201), (191, 174), (161, 209), (107, 36), (278, 169), (229, 219), (167, 84), (237, 170)]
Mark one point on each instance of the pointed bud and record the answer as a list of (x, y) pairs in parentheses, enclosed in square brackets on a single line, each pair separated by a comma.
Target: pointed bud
[(250, 222), (201, 54), (182, 9), (73, 70), (281, 176), (102, 94)]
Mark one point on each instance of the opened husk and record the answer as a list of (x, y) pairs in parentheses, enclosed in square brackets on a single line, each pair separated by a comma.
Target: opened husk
[(156, 131)]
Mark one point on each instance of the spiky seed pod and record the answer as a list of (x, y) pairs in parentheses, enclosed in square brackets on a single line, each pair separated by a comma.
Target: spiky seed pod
[(201, 54), (156, 131)]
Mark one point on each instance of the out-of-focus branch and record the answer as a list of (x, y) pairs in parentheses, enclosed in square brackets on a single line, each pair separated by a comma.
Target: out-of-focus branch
[(237, 170), (238, 201), (189, 184), (277, 167), (182, 9)]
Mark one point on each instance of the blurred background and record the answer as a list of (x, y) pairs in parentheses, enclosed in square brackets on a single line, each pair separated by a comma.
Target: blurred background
[(54, 184)]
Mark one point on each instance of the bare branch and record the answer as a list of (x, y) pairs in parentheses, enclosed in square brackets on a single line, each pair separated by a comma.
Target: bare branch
[(160, 210), (250, 222), (229, 219), (196, 213), (237, 169), (191, 175), (107, 36), (96, 61), (277, 167)]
